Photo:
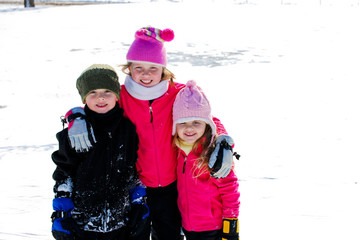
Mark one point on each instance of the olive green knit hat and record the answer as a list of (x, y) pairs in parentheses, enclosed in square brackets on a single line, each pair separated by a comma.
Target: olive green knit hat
[(98, 76)]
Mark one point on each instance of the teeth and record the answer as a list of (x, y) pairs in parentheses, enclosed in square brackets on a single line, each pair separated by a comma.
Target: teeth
[(144, 81)]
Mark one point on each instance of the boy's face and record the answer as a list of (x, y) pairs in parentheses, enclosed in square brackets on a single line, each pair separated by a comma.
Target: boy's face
[(190, 132), (101, 100), (146, 74)]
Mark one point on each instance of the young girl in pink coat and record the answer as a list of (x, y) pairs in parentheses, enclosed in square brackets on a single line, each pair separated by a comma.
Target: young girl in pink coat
[(209, 207), (147, 98)]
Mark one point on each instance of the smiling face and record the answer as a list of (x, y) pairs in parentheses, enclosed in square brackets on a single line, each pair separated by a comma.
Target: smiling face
[(101, 100), (146, 74), (190, 132)]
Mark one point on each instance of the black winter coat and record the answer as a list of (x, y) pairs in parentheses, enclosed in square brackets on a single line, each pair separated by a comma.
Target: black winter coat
[(101, 179)]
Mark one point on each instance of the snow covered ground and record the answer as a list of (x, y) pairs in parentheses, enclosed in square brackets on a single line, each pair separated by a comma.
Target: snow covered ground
[(283, 78)]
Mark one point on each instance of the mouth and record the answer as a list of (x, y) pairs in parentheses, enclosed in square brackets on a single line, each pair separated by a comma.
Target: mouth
[(146, 81), (190, 134), (101, 105)]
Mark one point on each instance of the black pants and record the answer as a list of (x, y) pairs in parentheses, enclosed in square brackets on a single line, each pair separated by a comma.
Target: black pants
[(205, 235), (164, 213)]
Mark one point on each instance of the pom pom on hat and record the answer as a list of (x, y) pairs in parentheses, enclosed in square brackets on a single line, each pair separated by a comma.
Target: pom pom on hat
[(148, 46), (192, 104), (167, 35)]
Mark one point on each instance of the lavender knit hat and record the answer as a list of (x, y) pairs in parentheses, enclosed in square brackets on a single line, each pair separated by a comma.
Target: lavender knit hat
[(191, 104), (148, 46)]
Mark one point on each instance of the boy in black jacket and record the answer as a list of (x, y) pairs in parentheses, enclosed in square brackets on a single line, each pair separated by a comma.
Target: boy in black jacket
[(95, 191)]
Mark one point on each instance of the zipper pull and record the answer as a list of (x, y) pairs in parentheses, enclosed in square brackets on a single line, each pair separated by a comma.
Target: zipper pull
[(151, 113), (184, 163)]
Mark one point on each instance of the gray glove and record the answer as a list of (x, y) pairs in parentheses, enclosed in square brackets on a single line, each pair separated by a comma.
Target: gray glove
[(221, 160), (81, 134)]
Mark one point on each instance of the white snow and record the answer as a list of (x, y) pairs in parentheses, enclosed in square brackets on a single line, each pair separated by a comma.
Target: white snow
[(281, 77)]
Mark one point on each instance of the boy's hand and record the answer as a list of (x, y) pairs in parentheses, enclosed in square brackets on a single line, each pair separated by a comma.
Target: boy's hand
[(139, 215), (63, 226), (80, 131)]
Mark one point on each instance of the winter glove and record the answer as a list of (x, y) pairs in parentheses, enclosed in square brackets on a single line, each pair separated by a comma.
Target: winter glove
[(230, 229), (221, 159), (63, 226), (138, 219), (80, 131)]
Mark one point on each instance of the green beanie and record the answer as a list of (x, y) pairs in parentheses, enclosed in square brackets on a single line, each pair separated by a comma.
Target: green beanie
[(98, 76)]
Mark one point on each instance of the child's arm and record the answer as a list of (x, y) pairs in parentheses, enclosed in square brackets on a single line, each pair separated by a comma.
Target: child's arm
[(228, 188), (63, 226)]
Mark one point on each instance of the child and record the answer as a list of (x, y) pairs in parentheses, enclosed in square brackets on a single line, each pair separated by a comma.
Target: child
[(92, 189), (147, 98), (204, 202)]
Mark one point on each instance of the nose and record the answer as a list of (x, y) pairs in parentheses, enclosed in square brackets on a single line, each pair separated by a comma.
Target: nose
[(102, 96), (189, 128)]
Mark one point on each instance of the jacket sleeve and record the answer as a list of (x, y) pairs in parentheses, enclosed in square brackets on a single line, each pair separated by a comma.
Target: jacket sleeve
[(220, 128), (66, 161), (228, 188)]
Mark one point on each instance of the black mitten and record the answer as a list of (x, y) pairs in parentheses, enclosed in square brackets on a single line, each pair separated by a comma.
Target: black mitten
[(230, 229), (139, 219)]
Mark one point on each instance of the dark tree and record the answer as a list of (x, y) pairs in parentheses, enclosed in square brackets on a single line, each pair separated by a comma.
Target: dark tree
[(29, 3)]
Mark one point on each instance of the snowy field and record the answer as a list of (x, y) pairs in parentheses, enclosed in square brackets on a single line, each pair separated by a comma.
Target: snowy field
[(283, 78)]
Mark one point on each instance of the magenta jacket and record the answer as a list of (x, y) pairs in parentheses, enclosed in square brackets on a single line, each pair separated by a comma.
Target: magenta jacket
[(156, 164), (204, 201), (157, 161)]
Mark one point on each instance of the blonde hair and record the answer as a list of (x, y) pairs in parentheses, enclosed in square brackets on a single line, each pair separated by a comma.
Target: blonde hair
[(204, 143), (166, 74)]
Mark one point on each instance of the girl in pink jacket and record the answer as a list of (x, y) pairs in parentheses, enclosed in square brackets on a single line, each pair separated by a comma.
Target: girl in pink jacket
[(209, 207), (147, 98)]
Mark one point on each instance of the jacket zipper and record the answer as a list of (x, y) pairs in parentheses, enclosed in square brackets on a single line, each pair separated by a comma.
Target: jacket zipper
[(151, 112), (154, 140), (184, 163), (105, 211), (186, 185)]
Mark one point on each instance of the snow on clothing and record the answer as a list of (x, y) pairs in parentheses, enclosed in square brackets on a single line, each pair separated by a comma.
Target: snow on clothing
[(102, 177), (204, 201), (157, 161)]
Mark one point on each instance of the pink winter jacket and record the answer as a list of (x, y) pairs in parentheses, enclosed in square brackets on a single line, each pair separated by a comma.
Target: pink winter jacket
[(204, 201), (156, 164)]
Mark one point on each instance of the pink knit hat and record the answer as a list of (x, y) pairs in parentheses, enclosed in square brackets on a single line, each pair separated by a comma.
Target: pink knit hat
[(148, 46), (191, 104)]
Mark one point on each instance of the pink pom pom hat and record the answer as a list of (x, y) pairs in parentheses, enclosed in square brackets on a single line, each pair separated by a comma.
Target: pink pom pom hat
[(148, 46), (192, 104)]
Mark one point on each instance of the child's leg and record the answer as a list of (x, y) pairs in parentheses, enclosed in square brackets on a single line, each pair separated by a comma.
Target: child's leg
[(166, 218), (205, 235)]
